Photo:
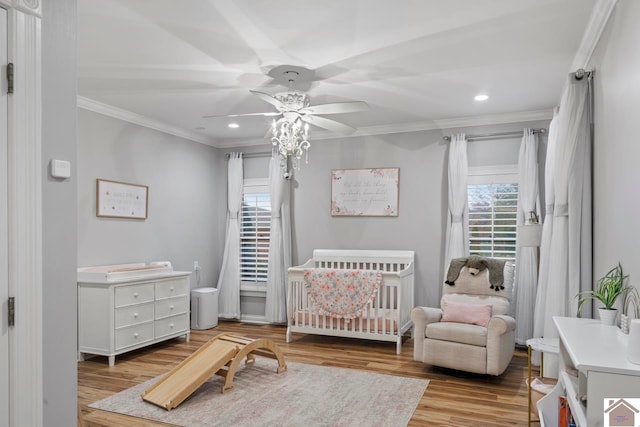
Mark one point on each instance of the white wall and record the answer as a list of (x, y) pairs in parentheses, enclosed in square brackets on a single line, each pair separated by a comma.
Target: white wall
[(617, 147), (422, 159), (59, 329), (187, 197)]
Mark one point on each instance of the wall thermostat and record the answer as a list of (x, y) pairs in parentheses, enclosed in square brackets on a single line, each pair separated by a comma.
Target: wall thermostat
[(60, 169)]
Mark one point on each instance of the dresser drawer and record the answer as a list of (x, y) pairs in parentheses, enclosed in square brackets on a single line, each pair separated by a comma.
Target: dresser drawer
[(171, 307), (134, 294), (172, 325), (134, 314), (172, 288), (134, 335)]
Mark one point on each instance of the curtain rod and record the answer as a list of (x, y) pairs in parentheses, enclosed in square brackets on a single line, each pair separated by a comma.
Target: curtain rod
[(542, 131), (581, 73), (251, 155)]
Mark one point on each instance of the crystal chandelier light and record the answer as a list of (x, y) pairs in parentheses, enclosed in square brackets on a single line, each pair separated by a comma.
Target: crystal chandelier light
[(291, 139), (289, 135)]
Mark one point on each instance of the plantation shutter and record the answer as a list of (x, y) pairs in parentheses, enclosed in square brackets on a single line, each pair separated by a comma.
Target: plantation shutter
[(492, 219), (255, 234)]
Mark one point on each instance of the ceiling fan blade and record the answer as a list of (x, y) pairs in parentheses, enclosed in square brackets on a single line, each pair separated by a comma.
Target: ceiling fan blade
[(273, 113), (329, 124), (270, 99), (336, 108)]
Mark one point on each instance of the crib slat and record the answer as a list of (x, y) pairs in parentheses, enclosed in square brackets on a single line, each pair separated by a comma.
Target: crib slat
[(300, 300), (302, 294), (375, 311), (309, 313), (385, 306), (294, 301), (303, 305), (399, 305), (392, 327)]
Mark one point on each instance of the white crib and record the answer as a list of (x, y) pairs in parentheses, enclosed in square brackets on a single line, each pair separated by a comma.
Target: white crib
[(386, 318)]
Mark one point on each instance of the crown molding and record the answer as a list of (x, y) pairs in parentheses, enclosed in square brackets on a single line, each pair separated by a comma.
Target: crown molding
[(597, 22), (453, 123), (128, 116), (248, 142), (443, 124)]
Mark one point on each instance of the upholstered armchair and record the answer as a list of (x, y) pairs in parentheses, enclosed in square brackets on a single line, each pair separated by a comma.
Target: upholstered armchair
[(472, 330)]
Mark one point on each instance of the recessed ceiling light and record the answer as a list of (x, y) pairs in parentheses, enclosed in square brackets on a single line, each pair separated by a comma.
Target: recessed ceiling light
[(481, 97), (233, 125)]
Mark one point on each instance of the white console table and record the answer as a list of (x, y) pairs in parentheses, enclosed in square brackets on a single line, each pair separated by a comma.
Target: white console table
[(120, 313), (598, 354)]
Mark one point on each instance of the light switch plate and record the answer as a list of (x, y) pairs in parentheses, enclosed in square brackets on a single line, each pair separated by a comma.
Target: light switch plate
[(60, 169)]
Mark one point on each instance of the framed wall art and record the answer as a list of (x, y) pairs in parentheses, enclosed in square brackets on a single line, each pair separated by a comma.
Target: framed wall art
[(365, 192), (121, 200)]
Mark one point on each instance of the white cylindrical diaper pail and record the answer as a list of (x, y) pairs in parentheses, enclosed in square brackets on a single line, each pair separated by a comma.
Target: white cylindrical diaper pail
[(204, 308)]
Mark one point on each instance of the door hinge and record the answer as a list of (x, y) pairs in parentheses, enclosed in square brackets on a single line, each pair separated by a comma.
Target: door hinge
[(10, 77), (12, 311)]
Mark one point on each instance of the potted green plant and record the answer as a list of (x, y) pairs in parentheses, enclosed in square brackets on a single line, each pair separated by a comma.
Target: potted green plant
[(610, 286)]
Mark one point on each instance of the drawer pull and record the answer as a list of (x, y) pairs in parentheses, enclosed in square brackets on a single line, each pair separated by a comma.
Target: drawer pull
[(171, 289), (135, 295), (171, 307), (171, 325), (135, 315), (135, 335)]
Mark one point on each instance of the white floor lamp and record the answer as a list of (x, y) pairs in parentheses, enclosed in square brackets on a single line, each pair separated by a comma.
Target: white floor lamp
[(530, 235)]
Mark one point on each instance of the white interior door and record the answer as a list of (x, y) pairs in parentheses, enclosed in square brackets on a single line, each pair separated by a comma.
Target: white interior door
[(4, 285)]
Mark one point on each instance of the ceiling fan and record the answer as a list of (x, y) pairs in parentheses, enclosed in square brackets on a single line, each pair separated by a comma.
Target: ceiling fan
[(293, 105)]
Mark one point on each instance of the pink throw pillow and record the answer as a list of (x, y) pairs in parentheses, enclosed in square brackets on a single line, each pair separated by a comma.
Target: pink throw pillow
[(460, 312)]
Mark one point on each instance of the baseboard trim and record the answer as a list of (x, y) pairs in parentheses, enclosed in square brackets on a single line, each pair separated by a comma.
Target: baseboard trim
[(252, 318)]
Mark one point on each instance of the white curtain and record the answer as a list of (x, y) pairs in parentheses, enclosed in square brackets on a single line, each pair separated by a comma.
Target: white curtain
[(547, 229), (229, 280), (580, 212), (279, 246), (526, 257), (569, 258), (456, 243)]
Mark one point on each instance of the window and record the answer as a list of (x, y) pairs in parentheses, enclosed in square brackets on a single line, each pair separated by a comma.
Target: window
[(255, 230), (493, 203)]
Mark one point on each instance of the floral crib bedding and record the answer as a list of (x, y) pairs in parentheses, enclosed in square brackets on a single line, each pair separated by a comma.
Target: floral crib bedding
[(341, 293)]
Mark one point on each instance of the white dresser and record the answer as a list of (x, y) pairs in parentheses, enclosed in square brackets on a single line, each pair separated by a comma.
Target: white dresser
[(593, 366), (126, 312)]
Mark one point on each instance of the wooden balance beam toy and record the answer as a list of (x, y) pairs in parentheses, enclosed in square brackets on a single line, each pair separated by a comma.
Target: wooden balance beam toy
[(220, 356)]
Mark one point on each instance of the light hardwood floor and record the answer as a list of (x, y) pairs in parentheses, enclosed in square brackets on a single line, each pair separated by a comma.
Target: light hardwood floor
[(452, 398)]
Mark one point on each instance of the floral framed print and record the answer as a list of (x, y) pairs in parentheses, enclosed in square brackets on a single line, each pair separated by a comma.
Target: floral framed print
[(365, 192)]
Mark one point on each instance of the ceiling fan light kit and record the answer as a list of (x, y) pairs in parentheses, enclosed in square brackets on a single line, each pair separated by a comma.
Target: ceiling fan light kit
[(291, 139), (290, 133), (293, 101)]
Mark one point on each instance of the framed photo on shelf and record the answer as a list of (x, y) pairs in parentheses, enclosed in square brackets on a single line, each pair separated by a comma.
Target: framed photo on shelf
[(365, 192), (116, 199)]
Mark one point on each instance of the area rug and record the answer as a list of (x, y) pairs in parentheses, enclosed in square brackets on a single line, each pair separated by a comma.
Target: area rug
[(305, 394)]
